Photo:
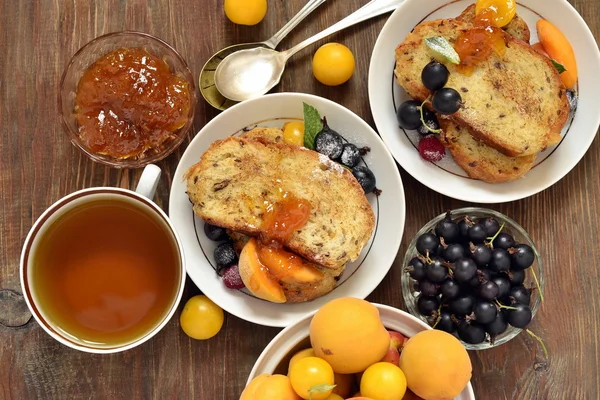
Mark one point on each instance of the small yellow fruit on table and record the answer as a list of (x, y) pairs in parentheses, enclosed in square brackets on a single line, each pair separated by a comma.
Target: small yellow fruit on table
[(245, 12), (201, 318), (333, 64)]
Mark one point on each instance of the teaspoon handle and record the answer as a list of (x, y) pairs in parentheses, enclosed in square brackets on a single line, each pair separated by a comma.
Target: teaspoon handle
[(287, 28), (372, 9)]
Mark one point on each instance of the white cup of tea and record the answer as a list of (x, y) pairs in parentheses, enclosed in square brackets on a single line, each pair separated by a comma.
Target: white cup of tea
[(102, 269)]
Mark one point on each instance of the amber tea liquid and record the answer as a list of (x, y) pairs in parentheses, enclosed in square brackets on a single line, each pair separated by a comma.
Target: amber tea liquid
[(106, 272)]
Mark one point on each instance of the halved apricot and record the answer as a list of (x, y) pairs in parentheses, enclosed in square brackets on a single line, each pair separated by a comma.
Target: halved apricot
[(287, 267), (559, 49), (256, 276)]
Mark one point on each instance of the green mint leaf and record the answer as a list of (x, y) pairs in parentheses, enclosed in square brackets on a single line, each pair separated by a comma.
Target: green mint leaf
[(322, 388), (443, 47), (312, 125), (561, 68)]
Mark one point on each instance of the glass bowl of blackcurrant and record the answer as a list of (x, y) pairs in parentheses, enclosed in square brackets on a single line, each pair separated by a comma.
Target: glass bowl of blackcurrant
[(474, 273)]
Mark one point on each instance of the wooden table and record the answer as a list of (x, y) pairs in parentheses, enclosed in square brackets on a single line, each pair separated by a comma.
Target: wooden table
[(38, 165)]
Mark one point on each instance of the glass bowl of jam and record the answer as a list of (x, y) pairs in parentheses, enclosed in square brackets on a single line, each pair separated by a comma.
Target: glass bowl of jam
[(127, 99)]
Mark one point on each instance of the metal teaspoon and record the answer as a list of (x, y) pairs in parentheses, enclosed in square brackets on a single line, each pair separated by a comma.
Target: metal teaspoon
[(207, 75), (246, 74)]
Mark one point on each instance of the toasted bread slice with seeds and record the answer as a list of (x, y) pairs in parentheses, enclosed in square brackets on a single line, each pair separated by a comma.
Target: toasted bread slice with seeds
[(237, 177), (479, 160), (515, 103)]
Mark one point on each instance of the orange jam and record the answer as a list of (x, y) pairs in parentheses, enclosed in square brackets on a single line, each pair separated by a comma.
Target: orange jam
[(477, 44), (284, 217), (128, 102), (280, 263)]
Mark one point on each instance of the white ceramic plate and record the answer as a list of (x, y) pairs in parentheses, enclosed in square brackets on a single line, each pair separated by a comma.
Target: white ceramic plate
[(446, 177), (361, 277), (289, 338)]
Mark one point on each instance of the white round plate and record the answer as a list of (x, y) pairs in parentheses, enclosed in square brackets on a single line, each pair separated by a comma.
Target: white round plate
[(360, 277), (446, 177), (293, 336)]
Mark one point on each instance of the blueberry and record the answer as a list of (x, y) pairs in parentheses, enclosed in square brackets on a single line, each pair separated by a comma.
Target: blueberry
[(516, 277), (447, 229), (498, 325), (446, 101), (427, 305), (485, 312), (428, 288), (504, 241), (481, 254), (521, 294), (225, 255), (436, 271), (427, 244), (521, 317), (471, 332), (215, 233), (416, 269), (430, 120), (490, 225), (450, 289), (476, 233), (350, 155), (453, 252), (445, 322), (500, 260), (409, 115), (434, 76), (328, 142), (522, 256), (462, 305), (365, 177)]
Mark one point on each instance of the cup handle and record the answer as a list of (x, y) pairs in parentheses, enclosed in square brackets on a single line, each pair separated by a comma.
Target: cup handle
[(148, 181)]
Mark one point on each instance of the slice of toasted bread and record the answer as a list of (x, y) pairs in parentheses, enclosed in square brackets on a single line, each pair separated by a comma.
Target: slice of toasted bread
[(479, 160), (515, 103), (517, 27), (274, 135), (236, 178)]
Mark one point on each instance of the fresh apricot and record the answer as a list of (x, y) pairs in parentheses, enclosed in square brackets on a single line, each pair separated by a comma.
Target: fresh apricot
[(275, 387), (250, 390), (256, 277), (436, 365), (559, 49), (540, 49), (348, 334)]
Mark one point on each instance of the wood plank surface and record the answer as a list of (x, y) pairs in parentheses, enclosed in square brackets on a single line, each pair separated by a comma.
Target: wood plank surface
[(38, 165)]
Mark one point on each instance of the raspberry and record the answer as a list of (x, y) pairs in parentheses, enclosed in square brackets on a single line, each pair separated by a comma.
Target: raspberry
[(431, 149), (232, 279)]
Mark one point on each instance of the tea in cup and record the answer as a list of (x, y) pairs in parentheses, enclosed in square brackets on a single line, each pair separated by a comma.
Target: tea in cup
[(102, 269)]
